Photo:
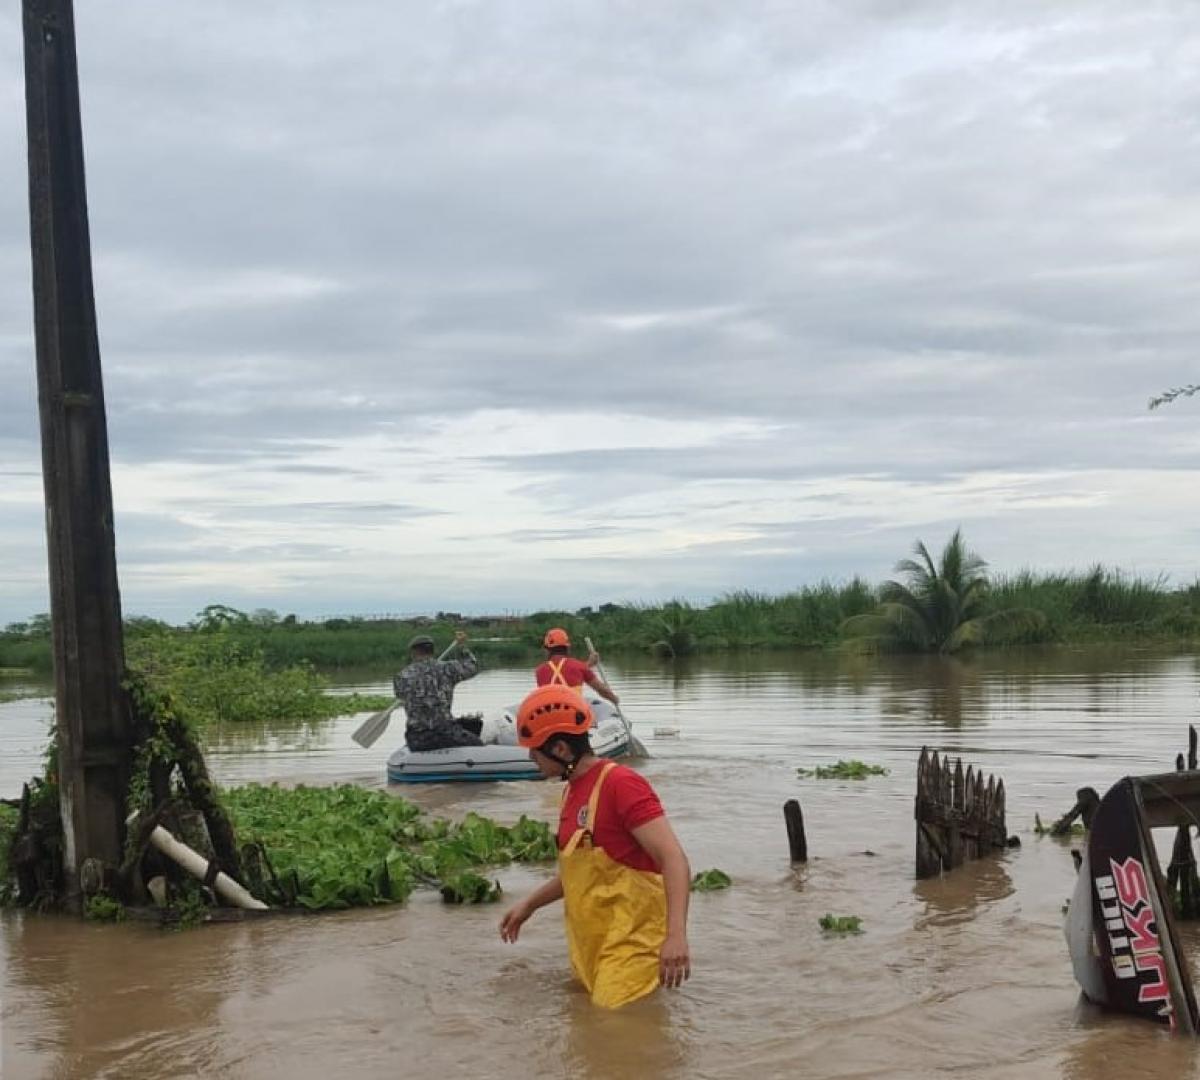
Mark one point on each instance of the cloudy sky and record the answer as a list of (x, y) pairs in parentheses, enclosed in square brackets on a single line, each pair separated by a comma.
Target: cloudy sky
[(527, 303)]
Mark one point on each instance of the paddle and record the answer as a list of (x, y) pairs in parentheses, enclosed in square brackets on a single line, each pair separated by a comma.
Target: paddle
[(636, 746), (369, 731)]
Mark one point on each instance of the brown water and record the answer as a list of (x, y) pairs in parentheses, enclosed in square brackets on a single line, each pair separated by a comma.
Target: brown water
[(965, 975)]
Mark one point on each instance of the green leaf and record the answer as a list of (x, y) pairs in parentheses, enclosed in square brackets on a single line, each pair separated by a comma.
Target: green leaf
[(711, 880)]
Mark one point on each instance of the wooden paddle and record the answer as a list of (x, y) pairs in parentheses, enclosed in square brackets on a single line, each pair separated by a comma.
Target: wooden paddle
[(369, 731), (636, 746)]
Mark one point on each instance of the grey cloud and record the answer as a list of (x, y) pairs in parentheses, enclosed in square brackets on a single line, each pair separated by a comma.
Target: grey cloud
[(912, 241)]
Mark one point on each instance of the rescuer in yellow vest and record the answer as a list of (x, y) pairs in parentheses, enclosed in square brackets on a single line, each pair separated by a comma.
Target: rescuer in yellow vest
[(562, 669), (622, 875)]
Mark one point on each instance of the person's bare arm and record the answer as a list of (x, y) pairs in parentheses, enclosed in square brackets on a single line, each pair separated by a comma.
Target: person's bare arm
[(660, 842), (515, 917), (601, 687)]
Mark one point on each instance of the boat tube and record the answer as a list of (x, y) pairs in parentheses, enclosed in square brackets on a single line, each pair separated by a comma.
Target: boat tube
[(500, 758)]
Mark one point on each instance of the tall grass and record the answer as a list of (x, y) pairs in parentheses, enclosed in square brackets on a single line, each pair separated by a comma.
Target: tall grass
[(1102, 604)]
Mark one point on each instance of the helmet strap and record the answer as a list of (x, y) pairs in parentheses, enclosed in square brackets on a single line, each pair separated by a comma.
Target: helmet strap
[(568, 765)]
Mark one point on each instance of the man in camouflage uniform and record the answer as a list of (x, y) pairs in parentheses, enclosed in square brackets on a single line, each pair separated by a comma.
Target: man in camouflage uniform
[(426, 688)]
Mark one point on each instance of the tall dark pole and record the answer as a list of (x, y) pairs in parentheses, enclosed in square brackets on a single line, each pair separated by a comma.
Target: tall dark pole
[(93, 716)]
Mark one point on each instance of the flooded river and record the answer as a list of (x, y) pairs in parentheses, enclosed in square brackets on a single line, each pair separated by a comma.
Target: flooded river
[(967, 975)]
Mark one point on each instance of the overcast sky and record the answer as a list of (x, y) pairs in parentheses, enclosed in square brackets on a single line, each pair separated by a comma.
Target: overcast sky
[(487, 306)]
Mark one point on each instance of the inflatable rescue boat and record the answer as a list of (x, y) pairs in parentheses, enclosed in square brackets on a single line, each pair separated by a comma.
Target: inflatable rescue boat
[(500, 758)]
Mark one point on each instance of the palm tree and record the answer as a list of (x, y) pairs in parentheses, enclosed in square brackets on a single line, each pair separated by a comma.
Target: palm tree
[(939, 608), (676, 621)]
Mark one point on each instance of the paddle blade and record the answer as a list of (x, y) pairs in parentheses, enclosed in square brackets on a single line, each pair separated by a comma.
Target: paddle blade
[(369, 731)]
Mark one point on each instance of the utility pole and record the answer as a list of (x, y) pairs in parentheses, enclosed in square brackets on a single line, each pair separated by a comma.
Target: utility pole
[(93, 713)]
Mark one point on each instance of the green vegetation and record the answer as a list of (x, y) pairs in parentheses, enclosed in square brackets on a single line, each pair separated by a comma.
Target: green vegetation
[(8, 828), (711, 880), (841, 924), (469, 888), (843, 770), (941, 607), (344, 846), (216, 676), (103, 908), (1040, 829)]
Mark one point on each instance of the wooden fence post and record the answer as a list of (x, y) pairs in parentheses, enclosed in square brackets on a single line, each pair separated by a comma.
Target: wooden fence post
[(797, 841)]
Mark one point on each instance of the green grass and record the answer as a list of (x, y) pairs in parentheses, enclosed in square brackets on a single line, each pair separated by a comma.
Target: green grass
[(1103, 605)]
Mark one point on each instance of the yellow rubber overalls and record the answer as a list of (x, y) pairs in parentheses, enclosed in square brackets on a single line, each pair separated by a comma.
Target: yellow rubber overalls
[(616, 916)]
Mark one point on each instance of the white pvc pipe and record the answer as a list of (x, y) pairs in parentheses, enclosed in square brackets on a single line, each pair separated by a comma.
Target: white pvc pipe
[(197, 865)]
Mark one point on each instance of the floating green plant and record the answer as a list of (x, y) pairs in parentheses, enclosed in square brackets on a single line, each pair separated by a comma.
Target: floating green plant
[(843, 770), (711, 880), (344, 846), (1040, 829), (841, 924)]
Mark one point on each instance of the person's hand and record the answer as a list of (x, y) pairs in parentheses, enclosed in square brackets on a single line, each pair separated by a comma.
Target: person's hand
[(593, 658), (674, 961), (460, 637), (514, 919)]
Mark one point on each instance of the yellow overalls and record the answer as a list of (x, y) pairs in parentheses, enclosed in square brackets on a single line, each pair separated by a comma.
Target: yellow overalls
[(616, 916)]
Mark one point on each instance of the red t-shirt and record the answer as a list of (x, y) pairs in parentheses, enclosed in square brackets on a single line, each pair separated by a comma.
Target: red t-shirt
[(627, 801), (576, 672)]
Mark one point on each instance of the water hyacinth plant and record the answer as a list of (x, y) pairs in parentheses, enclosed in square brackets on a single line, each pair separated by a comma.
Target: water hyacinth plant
[(344, 846), (843, 770), (841, 924), (1041, 829), (711, 881)]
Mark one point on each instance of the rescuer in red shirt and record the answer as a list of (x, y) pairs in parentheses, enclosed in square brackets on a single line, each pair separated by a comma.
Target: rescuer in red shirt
[(622, 875), (562, 669)]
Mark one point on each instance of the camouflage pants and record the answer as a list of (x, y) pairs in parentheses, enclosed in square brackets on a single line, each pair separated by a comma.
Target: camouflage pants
[(440, 737)]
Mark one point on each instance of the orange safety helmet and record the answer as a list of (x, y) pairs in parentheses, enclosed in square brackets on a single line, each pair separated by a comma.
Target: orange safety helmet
[(556, 638), (551, 710)]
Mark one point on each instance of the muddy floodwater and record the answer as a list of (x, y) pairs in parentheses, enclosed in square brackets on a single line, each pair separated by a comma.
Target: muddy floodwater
[(967, 975)]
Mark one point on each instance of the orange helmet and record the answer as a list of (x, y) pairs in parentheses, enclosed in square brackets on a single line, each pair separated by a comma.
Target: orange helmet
[(556, 638), (551, 710)]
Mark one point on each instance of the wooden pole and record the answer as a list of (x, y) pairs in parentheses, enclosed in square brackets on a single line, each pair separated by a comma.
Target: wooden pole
[(93, 715), (797, 841)]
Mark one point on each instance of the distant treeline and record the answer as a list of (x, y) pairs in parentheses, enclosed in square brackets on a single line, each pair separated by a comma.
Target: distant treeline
[(1100, 605)]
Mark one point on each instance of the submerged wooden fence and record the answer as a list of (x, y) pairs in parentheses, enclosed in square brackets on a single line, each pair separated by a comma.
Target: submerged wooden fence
[(959, 817)]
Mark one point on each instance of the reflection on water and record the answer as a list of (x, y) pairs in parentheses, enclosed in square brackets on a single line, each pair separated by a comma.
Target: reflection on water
[(967, 974), (954, 899)]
